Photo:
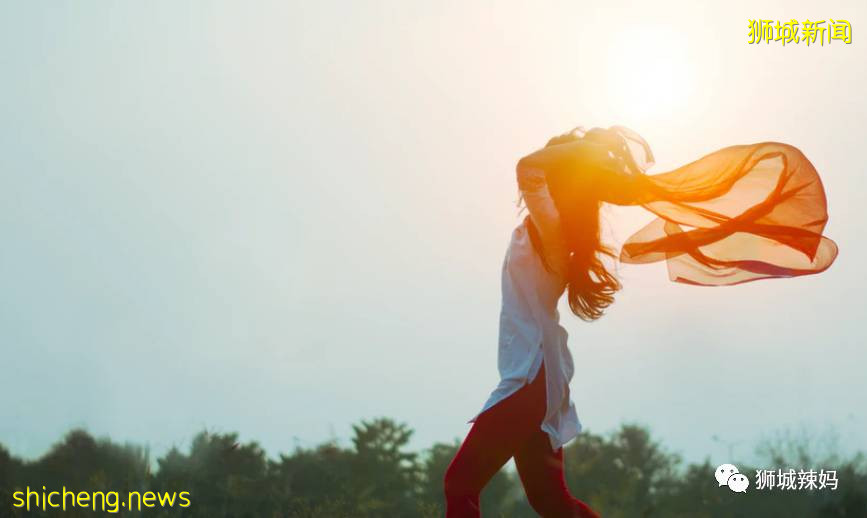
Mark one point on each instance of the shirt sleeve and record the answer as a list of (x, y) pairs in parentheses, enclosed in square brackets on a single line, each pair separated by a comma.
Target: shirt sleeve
[(544, 215)]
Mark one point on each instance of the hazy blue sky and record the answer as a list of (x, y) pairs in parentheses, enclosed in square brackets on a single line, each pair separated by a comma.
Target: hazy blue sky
[(281, 218)]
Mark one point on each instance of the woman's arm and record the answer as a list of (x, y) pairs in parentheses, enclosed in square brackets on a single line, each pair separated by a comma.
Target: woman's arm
[(573, 159), (577, 166), (544, 215)]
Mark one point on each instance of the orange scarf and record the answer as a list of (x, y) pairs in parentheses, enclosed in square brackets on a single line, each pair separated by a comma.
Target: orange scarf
[(739, 214)]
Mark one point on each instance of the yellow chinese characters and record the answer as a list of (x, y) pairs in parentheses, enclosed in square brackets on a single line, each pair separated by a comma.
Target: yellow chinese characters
[(808, 32), (840, 30)]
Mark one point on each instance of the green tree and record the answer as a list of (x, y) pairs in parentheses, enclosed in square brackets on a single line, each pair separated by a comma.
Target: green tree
[(224, 477), (386, 475)]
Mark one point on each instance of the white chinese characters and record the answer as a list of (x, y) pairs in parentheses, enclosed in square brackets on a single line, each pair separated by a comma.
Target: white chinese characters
[(783, 480), (789, 480)]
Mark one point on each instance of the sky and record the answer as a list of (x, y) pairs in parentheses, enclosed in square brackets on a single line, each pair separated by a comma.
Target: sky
[(282, 218)]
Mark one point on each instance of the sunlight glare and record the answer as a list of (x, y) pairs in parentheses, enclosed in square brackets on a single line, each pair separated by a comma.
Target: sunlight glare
[(649, 74)]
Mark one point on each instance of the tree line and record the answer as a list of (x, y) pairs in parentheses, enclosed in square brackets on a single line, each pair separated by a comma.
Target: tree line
[(623, 474)]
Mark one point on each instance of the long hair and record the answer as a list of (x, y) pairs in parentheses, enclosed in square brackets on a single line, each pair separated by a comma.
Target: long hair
[(591, 287)]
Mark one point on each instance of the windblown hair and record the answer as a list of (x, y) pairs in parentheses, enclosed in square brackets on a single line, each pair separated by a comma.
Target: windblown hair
[(591, 287)]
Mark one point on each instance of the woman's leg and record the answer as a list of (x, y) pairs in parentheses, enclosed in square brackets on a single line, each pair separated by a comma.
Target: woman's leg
[(541, 472), (493, 439)]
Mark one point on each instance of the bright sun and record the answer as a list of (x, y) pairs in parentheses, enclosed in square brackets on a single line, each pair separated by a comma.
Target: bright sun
[(649, 74)]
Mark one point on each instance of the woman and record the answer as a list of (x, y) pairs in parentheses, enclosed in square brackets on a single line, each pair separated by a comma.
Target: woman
[(750, 212)]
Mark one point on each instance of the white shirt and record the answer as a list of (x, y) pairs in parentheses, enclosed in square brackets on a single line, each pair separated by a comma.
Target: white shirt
[(530, 329)]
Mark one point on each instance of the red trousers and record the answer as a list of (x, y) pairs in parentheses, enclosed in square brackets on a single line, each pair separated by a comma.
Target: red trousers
[(511, 428)]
